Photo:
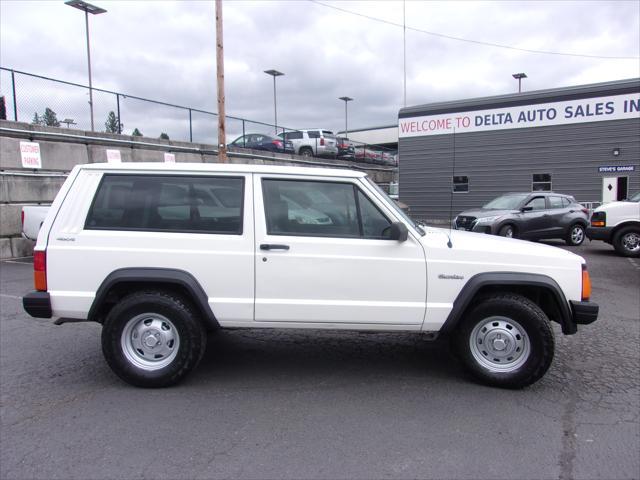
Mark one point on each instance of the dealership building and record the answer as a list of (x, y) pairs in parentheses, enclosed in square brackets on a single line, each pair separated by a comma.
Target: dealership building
[(582, 141)]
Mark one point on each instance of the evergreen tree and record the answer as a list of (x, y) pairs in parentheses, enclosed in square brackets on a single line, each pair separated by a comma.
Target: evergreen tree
[(164, 136), (136, 133), (49, 118), (112, 125), (36, 119)]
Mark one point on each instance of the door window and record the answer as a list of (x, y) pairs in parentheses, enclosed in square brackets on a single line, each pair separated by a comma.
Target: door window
[(536, 203), (374, 223), (314, 208), (556, 202)]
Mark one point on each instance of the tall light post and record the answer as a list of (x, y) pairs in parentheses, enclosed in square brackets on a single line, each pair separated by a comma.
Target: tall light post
[(346, 127), (519, 77), (87, 8), (274, 74)]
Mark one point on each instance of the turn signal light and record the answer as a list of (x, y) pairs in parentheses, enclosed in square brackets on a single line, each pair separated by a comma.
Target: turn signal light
[(597, 223), (40, 270), (586, 284)]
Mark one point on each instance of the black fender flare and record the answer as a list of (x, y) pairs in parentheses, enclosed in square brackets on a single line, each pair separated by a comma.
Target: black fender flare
[(475, 283), (167, 276)]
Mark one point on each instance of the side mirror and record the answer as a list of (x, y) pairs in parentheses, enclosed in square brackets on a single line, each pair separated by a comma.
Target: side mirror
[(526, 209), (399, 232)]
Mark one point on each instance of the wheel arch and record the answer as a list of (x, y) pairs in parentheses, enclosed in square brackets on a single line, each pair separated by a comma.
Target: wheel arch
[(541, 289), (626, 223), (126, 280)]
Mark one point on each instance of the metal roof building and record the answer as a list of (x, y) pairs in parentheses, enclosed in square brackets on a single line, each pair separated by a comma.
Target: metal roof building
[(582, 141)]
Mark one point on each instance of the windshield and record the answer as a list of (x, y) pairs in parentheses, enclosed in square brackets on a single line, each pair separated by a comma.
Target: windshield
[(395, 206), (635, 198), (506, 202)]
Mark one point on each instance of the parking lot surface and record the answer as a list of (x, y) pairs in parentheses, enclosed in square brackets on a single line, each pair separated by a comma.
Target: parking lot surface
[(309, 404)]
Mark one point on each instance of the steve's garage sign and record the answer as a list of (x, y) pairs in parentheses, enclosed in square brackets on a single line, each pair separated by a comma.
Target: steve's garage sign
[(615, 107)]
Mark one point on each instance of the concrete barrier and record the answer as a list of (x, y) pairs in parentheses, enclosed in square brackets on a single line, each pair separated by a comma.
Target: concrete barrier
[(61, 149)]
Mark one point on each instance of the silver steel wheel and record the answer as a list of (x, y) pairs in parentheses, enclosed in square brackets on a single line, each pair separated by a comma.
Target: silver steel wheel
[(631, 242), (499, 344), (577, 234), (150, 341)]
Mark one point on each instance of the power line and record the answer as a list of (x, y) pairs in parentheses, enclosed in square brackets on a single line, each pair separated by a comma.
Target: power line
[(468, 40)]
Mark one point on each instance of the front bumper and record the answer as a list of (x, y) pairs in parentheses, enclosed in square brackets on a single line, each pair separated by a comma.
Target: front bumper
[(584, 313), (599, 233), (37, 304)]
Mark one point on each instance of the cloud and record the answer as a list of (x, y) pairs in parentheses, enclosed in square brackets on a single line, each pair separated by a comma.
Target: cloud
[(166, 51)]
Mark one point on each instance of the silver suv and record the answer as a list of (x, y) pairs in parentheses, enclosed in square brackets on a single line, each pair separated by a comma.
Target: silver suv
[(313, 142)]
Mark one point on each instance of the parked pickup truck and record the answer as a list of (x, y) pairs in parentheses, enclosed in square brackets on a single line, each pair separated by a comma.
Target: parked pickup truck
[(32, 219), (618, 223), (159, 253)]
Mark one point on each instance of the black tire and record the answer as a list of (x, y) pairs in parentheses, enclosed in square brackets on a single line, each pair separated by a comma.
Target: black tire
[(507, 231), (626, 241), (172, 317), (575, 235), (505, 316), (306, 152)]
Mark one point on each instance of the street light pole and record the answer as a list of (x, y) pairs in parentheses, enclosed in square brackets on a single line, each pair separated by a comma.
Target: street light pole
[(346, 125), (274, 74), (519, 77), (87, 8)]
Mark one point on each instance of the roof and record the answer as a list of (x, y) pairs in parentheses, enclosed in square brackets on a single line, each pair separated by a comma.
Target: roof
[(617, 87), (223, 168)]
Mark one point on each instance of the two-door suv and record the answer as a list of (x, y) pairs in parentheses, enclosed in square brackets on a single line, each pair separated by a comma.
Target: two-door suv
[(161, 253)]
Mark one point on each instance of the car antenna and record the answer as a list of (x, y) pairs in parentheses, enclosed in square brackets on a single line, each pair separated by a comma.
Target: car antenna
[(453, 171)]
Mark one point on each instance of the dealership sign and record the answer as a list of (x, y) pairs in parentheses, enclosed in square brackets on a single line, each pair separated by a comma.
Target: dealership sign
[(616, 168), (616, 107)]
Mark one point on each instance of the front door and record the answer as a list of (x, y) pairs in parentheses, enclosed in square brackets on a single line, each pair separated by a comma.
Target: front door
[(535, 220), (614, 188), (323, 256)]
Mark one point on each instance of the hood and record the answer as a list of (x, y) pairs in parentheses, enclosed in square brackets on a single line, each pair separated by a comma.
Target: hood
[(479, 247), (486, 212), (622, 205)]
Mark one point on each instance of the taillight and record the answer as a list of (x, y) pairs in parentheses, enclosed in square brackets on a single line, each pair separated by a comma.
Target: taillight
[(599, 219), (40, 270), (585, 211), (22, 218), (321, 141), (277, 143), (586, 283)]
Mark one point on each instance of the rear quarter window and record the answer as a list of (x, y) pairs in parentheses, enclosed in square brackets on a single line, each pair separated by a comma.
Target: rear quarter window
[(168, 203)]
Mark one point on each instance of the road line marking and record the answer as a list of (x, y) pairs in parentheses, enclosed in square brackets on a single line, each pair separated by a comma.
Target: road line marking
[(4, 295), (17, 263)]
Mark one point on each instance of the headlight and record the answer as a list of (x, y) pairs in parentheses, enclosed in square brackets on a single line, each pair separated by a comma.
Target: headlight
[(487, 220)]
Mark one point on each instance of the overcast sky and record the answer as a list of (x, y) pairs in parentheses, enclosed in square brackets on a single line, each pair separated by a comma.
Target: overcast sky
[(166, 51)]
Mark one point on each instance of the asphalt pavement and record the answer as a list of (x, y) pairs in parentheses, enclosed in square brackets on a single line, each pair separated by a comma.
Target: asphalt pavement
[(309, 404)]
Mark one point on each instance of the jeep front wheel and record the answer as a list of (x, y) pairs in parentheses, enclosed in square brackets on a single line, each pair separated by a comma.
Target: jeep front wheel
[(506, 341), (153, 339)]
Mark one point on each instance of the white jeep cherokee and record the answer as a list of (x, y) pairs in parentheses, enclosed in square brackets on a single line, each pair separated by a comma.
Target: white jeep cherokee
[(160, 253)]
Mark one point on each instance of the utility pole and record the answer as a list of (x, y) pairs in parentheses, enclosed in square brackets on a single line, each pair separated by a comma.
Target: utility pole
[(222, 137)]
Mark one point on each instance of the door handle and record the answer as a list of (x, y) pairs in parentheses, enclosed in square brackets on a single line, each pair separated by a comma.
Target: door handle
[(273, 246)]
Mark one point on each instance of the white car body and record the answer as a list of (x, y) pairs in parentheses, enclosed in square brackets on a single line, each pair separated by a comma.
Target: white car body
[(291, 248), (329, 282), (618, 223), (32, 219)]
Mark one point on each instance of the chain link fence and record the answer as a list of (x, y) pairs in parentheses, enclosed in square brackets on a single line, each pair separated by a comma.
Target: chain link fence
[(47, 101)]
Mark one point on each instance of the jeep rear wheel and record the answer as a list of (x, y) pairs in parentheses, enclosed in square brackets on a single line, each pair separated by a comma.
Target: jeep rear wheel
[(505, 341), (153, 339)]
